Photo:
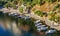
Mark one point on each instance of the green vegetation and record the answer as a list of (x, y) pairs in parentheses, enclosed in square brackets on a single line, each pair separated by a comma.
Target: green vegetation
[(39, 13), (53, 15), (52, 1), (21, 9), (55, 18), (6, 5), (56, 7), (29, 2)]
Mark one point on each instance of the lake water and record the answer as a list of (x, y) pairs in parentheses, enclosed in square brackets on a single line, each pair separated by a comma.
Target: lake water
[(12, 28), (4, 32), (1, 6)]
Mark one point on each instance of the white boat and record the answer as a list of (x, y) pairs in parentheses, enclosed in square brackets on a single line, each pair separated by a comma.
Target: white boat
[(43, 25), (44, 28), (50, 31), (38, 24), (37, 21), (39, 30)]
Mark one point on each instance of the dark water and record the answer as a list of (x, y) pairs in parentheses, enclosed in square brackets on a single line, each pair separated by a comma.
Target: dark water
[(4, 32), (8, 32), (1, 6)]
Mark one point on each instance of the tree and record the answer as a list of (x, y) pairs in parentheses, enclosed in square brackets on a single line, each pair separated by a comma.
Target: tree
[(57, 6), (21, 9), (7, 5), (52, 1), (39, 13), (40, 2)]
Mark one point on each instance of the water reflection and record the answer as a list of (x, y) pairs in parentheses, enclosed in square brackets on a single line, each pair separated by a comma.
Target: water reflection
[(4, 32), (10, 26), (10, 23)]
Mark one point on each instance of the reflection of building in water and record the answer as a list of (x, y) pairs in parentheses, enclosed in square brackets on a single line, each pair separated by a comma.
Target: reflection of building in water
[(10, 25)]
